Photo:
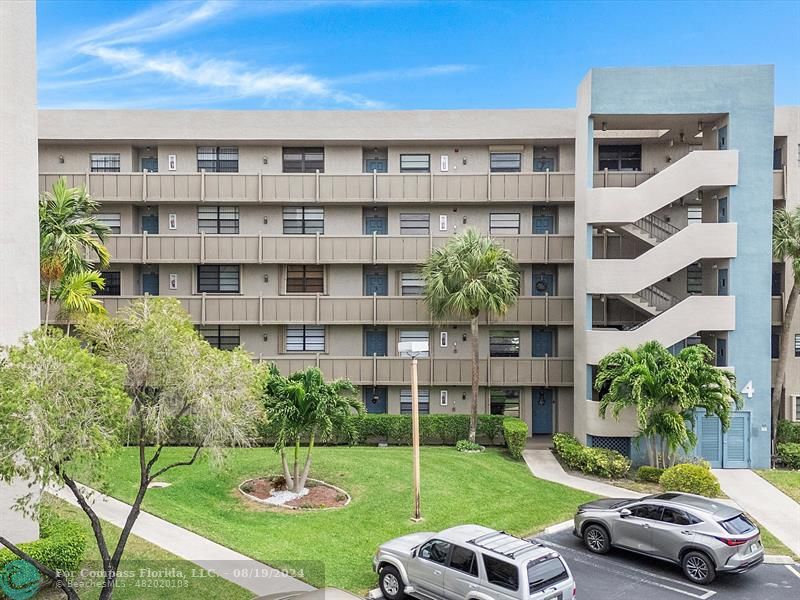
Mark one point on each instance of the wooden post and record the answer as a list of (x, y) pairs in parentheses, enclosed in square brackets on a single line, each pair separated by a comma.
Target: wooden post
[(415, 438)]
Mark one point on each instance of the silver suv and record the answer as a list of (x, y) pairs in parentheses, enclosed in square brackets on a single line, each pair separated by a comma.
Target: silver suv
[(703, 536), (471, 562)]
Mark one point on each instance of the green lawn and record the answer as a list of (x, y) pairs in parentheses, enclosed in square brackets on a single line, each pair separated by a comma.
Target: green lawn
[(140, 554), (335, 547), (786, 481)]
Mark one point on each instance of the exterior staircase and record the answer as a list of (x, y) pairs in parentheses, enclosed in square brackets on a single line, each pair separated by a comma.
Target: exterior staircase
[(650, 229), (651, 300)]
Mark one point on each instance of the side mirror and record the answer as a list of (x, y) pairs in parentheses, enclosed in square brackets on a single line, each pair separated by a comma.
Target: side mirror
[(414, 553), (624, 513)]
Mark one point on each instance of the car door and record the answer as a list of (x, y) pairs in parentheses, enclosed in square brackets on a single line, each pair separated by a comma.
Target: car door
[(635, 530), (672, 533), (461, 574), (426, 569)]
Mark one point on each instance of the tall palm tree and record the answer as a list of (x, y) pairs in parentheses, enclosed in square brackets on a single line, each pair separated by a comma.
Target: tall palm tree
[(666, 391), (785, 247), (68, 232), (305, 406), (75, 294), (470, 274)]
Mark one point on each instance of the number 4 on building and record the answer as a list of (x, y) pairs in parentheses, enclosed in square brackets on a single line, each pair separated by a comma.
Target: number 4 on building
[(748, 389)]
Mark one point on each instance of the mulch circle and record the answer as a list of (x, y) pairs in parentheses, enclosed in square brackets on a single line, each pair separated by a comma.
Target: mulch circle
[(320, 495)]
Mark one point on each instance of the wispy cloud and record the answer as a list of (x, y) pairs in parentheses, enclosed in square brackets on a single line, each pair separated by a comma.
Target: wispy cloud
[(136, 48)]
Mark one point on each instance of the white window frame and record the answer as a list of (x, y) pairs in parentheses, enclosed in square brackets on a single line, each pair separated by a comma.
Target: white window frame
[(442, 397), (505, 162), (415, 163), (443, 339), (442, 222), (694, 215), (415, 223), (110, 220), (316, 331), (423, 398), (416, 335), (412, 283), (504, 223)]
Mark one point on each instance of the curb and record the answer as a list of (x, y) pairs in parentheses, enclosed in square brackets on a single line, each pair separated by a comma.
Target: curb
[(778, 559), (558, 527)]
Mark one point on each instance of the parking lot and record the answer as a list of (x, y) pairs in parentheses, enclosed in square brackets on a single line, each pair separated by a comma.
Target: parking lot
[(619, 575)]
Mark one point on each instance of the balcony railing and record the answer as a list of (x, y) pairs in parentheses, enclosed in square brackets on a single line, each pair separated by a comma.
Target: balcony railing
[(321, 249), (325, 188), (433, 371), (342, 310)]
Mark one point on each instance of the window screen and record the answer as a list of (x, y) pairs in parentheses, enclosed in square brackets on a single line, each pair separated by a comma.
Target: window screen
[(415, 163), (423, 397), (416, 336), (504, 223), (218, 279), (112, 285), (505, 162), (221, 336), (305, 279), (305, 338), (299, 220), (412, 284), (218, 159), (415, 223), (110, 220), (504, 342), (504, 401), (694, 214), (104, 163), (303, 160), (218, 219), (694, 278)]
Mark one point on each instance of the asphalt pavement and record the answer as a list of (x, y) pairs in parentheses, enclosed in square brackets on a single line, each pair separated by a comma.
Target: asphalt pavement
[(622, 575)]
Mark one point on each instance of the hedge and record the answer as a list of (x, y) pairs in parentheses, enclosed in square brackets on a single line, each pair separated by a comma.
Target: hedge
[(789, 454), (649, 474), (61, 545), (692, 479), (788, 432), (515, 432), (592, 461)]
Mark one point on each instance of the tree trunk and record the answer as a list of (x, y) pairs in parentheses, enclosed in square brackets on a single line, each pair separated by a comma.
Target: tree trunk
[(286, 474), (783, 358), (473, 416), (47, 303), (307, 467), (296, 468)]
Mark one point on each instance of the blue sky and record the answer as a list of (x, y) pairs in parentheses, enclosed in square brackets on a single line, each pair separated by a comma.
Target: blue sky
[(249, 54)]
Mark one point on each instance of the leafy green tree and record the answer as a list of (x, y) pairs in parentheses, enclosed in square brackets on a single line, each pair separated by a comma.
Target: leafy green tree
[(470, 274), (665, 391), (146, 378), (785, 247), (68, 232), (305, 406), (75, 295)]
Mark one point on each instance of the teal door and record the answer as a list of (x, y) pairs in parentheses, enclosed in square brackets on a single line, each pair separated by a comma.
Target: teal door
[(710, 440), (542, 411), (543, 342), (150, 223), (375, 341), (544, 224), (376, 281), (375, 399), (729, 449), (544, 284), (150, 164), (378, 165), (150, 283)]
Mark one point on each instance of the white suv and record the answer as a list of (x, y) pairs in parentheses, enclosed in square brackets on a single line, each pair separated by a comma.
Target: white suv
[(471, 562)]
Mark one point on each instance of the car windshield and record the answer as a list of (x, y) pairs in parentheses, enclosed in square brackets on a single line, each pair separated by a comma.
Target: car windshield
[(545, 572), (622, 503), (738, 525)]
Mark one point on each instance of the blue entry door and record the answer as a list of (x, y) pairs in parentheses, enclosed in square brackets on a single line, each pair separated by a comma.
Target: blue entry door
[(710, 439), (150, 164), (544, 284), (375, 339), (375, 400), (150, 223), (543, 342), (736, 442), (544, 224), (150, 283), (379, 165), (542, 411), (376, 281)]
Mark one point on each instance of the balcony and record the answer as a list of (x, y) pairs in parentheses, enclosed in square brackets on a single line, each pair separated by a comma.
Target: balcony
[(779, 184), (324, 188), (342, 310), (390, 370), (777, 310), (321, 249)]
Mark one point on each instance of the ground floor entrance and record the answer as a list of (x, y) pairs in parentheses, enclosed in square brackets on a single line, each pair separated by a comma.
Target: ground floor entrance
[(724, 449)]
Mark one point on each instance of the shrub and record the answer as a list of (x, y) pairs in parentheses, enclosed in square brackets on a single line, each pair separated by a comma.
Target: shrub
[(61, 544), (789, 454), (649, 474), (592, 461), (467, 446), (691, 478), (515, 432), (788, 431)]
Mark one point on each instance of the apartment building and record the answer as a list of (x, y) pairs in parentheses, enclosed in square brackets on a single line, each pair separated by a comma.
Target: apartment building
[(644, 213)]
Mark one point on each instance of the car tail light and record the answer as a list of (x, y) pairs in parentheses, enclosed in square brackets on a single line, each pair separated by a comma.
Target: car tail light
[(574, 591), (731, 542)]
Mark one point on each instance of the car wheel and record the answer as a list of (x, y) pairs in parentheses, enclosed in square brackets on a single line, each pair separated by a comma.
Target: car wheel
[(698, 568), (596, 540), (391, 584)]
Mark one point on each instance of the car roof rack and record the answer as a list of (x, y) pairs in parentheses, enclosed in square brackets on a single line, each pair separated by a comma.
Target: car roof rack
[(505, 544)]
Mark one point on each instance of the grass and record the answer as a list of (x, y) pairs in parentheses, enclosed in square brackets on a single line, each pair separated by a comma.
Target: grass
[(786, 481), (335, 547), (773, 545), (140, 554)]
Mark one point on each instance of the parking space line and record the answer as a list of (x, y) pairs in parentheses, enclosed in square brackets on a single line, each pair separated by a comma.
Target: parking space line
[(793, 570)]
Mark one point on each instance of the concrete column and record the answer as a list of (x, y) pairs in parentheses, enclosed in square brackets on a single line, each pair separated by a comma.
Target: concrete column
[(19, 235)]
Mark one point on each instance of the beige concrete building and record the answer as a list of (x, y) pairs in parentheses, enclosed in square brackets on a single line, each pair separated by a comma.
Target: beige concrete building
[(299, 236)]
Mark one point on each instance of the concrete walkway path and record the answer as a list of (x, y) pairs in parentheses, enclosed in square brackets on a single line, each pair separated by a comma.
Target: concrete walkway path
[(245, 572), (544, 465), (767, 504)]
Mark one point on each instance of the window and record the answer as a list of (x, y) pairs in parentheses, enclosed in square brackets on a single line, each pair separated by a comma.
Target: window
[(694, 278), (675, 517), (776, 343), (435, 551), (503, 342), (298, 220), (415, 336), (463, 560), (620, 157), (218, 279), (415, 223), (112, 285), (423, 398), (412, 284), (218, 219), (501, 573), (305, 279), (415, 163), (305, 338), (218, 159), (505, 162), (647, 511), (220, 336), (797, 345), (738, 525), (544, 572), (796, 408), (504, 223), (104, 163), (694, 214), (504, 402), (110, 220), (303, 160)]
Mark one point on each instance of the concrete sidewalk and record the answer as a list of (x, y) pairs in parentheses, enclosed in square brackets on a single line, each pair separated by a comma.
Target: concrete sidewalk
[(767, 504), (544, 465), (245, 572)]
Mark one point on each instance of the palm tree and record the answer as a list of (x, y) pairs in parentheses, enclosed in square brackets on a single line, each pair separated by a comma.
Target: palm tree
[(68, 231), (666, 391), (304, 405), (75, 294), (470, 274), (785, 247)]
